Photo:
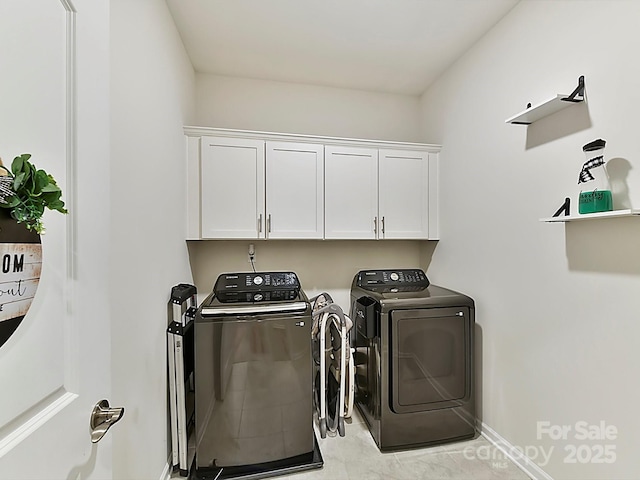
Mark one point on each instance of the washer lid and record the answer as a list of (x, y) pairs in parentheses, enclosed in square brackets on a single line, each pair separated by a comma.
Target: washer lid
[(253, 309)]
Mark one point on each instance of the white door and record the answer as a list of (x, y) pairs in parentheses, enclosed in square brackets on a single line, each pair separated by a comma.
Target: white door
[(294, 190), (232, 188), (404, 194), (351, 193), (55, 366)]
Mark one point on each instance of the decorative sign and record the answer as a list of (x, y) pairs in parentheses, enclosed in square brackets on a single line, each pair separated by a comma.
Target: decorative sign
[(19, 275), (20, 267)]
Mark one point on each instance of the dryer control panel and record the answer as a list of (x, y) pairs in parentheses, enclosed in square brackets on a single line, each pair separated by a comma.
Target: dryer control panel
[(401, 280)]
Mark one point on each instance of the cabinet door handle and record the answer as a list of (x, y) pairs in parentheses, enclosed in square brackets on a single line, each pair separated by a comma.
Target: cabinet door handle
[(260, 223), (375, 224), (269, 224), (383, 225)]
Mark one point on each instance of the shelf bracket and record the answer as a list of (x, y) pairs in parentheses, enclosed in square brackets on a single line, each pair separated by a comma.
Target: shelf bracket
[(578, 94), (564, 208)]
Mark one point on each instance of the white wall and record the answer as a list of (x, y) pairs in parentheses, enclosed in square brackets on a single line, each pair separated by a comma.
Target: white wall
[(152, 97), (248, 104), (558, 305), (322, 266)]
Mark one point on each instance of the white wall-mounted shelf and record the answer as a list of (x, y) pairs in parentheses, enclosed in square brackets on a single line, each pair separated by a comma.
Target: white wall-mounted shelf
[(549, 106), (630, 212), (541, 110)]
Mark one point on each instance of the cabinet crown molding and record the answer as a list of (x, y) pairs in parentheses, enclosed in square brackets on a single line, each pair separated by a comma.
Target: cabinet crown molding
[(195, 131)]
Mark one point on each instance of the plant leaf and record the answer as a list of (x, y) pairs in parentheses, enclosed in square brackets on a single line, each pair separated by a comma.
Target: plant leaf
[(17, 181), (18, 163), (12, 201), (57, 205), (41, 180), (34, 190), (51, 187)]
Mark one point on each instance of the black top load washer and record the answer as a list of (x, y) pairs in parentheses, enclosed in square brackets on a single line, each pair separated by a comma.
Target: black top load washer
[(253, 375), (414, 356)]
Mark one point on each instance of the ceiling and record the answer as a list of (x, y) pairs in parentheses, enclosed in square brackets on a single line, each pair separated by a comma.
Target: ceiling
[(395, 46)]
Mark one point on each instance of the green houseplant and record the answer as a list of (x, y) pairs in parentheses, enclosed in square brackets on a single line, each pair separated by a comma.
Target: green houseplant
[(26, 191)]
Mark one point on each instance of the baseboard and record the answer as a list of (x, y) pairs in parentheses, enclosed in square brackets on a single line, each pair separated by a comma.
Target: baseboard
[(168, 469), (524, 463)]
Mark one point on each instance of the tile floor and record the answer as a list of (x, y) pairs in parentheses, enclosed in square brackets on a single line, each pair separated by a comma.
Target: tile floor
[(356, 457)]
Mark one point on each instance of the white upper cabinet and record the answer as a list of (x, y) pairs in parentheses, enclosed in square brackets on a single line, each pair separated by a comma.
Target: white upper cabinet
[(294, 190), (380, 194), (403, 189), (258, 185), (232, 188), (351, 192)]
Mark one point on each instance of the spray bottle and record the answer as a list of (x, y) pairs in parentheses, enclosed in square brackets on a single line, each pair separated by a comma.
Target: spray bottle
[(593, 181)]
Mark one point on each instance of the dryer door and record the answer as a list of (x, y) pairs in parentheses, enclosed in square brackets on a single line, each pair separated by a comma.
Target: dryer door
[(430, 355)]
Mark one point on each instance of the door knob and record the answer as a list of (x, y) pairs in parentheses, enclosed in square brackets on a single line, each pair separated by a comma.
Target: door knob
[(102, 417)]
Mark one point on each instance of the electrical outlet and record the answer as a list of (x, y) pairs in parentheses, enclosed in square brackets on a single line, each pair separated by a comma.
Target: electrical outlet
[(251, 256)]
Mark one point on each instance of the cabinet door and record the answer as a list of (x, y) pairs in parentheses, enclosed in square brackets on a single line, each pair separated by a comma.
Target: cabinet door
[(232, 188), (403, 190), (294, 190), (351, 192)]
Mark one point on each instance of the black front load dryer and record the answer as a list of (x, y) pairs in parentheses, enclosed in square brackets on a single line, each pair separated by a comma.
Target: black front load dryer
[(414, 356)]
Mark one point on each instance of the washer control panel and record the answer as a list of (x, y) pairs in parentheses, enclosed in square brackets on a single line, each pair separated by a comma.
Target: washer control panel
[(266, 280), (257, 287), (392, 280)]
